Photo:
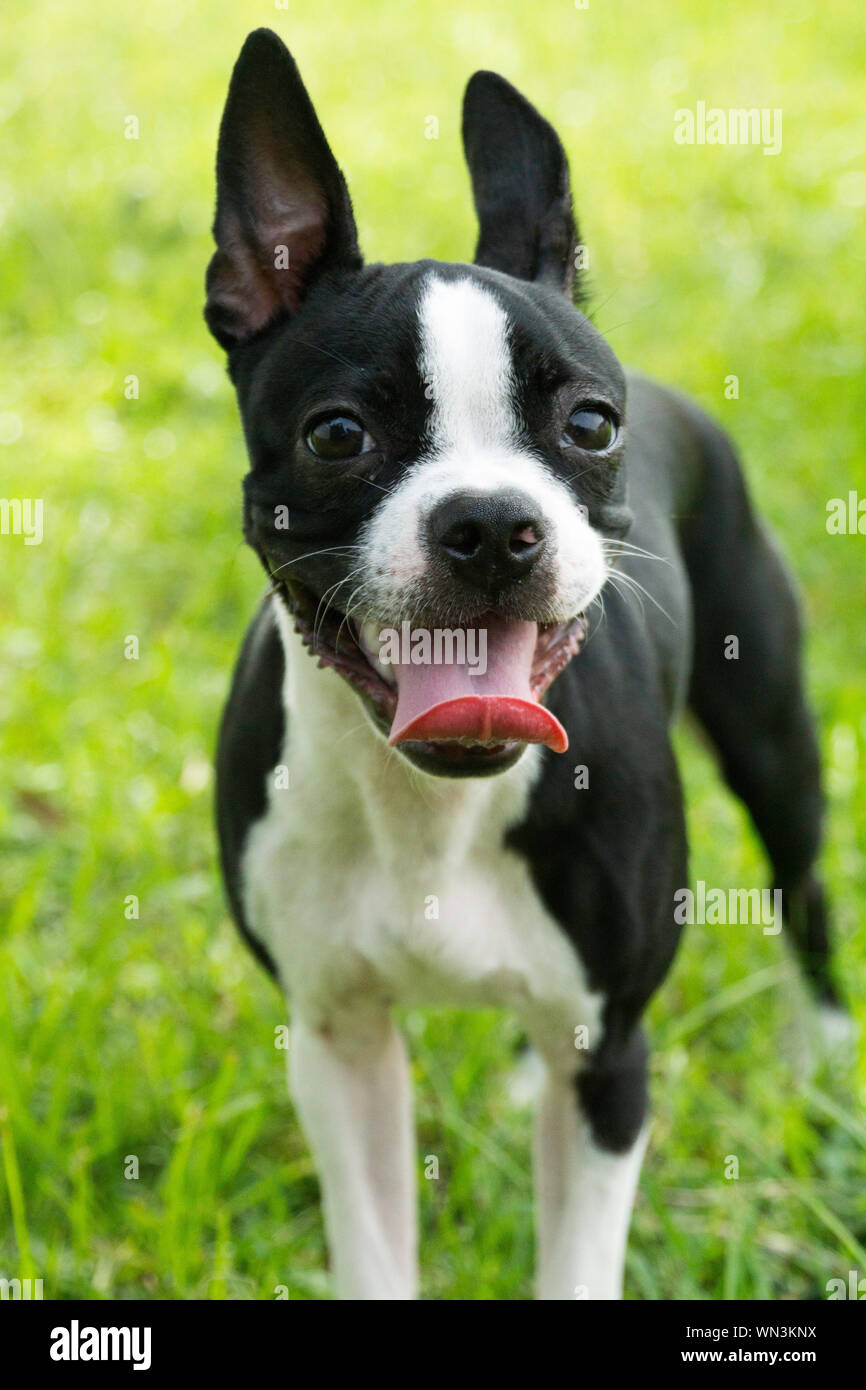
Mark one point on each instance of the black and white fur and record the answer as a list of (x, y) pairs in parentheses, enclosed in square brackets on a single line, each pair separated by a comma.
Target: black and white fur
[(554, 902)]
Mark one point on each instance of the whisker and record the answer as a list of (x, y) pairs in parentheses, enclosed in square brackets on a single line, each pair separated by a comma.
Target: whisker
[(332, 590), (626, 591), (639, 310), (311, 554), (317, 347), (599, 599), (356, 728), (597, 464), (626, 548), (348, 613), (630, 581), (359, 477), (326, 598)]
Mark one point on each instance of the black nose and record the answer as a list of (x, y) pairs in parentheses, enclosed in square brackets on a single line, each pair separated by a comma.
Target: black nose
[(488, 539)]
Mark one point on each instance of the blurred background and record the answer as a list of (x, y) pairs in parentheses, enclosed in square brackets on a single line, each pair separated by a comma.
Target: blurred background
[(149, 1149)]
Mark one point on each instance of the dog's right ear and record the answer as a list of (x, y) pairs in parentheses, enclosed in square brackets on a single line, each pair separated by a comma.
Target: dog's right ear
[(283, 212)]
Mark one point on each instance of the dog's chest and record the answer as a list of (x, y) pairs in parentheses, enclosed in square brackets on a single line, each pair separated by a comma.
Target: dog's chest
[(366, 880)]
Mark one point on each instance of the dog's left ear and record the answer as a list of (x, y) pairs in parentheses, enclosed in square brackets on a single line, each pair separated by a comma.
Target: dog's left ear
[(283, 211), (520, 185)]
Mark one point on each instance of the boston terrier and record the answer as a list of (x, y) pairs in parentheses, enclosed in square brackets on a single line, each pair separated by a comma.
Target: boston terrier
[(500, 566)]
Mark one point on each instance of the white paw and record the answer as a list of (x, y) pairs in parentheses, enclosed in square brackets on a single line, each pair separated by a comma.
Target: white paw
[(525, 1082)]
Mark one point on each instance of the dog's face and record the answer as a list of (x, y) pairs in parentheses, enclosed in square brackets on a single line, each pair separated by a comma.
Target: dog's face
[(436, 449)]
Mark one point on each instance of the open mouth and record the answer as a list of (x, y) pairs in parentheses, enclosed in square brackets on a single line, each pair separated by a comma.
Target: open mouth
[(469, 695)]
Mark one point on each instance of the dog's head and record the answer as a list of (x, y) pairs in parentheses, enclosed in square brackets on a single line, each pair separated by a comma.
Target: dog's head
[(436, 450)]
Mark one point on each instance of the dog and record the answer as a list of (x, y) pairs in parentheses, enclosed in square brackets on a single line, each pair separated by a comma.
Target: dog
[(452, 454)]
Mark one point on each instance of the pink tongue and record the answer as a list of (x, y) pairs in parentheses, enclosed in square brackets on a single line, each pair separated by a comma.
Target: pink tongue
[(439, 700)]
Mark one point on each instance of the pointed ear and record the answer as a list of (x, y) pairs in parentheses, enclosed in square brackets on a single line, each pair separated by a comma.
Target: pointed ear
[(520, 185), (283, 212)]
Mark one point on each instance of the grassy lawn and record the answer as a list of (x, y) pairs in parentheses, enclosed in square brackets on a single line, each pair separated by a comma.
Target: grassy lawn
[(151, 1037)]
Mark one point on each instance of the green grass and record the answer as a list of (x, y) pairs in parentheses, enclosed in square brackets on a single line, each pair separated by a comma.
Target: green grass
[(154, 1036)]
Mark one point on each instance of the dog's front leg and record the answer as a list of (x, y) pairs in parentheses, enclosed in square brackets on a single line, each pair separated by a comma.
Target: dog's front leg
[(584, 1196), (350, 1080)]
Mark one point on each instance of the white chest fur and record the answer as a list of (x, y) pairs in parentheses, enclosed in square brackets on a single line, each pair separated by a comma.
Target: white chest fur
[(370, 881)]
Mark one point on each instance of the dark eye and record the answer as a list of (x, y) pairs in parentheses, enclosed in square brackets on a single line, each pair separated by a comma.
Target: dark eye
[(590, 427), (336, 437)]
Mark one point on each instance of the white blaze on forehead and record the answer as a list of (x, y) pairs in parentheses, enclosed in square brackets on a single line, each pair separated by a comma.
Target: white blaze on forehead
[(466, 365)]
